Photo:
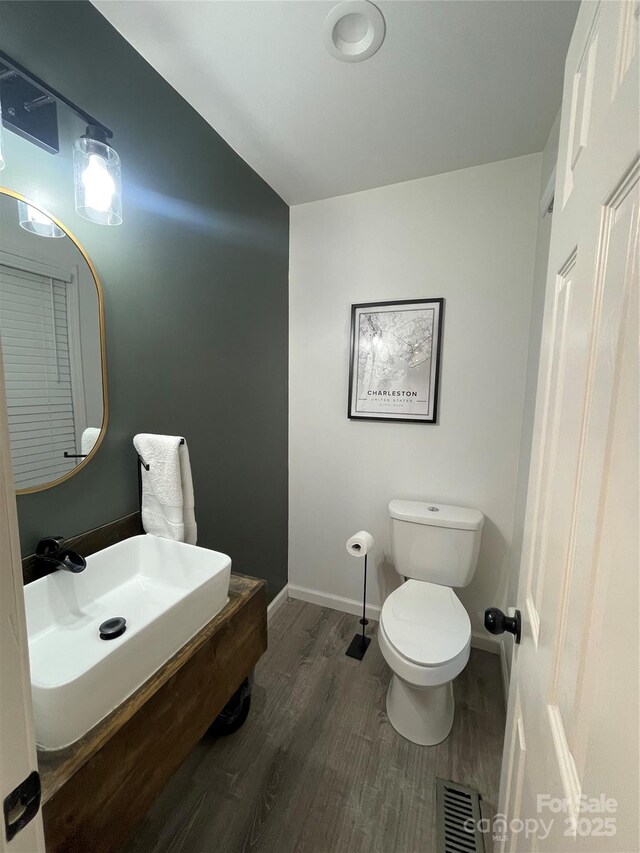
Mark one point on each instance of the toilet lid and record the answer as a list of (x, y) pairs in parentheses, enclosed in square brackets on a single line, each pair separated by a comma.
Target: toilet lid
[(426, 622)]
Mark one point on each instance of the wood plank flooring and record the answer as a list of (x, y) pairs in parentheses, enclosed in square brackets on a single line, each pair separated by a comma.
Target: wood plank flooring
[(317, 767)]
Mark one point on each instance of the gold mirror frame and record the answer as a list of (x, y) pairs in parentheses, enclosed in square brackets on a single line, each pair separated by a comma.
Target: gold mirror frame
[(103, 354)]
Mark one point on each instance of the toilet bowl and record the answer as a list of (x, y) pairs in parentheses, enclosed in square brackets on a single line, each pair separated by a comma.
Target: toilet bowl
[(425, 632), (425, 637)]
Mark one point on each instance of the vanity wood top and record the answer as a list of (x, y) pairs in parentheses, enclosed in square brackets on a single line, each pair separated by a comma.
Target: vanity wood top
[(58, 767)]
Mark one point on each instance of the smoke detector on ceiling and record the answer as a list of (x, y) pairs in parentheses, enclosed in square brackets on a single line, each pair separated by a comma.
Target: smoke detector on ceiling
[(353, 30)]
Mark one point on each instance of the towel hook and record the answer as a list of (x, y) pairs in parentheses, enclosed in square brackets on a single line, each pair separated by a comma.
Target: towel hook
[(144, 464)]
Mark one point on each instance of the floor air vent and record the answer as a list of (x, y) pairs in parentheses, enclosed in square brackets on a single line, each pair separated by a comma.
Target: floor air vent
[(458, 810)]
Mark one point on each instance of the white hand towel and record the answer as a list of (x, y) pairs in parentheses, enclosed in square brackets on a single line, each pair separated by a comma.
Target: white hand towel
[(167, 487), (88, 440)]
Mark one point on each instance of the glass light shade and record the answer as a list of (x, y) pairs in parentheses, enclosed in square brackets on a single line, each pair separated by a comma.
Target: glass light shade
[(36, 222), (97, 182)]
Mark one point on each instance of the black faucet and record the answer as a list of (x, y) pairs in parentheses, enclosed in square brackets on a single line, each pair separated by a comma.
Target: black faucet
[(51, 555)]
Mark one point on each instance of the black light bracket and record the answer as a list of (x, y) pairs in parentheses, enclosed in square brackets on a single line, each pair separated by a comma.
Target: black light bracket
[(30, 107), (96, 132)]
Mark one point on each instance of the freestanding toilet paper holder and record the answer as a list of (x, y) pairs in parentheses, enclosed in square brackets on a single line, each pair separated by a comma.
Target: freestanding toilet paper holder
[(360, 643)]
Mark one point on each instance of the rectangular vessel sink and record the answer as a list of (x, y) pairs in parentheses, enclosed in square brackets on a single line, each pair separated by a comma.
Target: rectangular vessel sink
[(167, 591)]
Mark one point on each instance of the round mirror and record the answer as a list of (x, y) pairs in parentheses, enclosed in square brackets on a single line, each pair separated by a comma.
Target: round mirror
[(52, 336)]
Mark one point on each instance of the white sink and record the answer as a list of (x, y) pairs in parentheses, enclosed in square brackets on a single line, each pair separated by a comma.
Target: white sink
[(167, 591)]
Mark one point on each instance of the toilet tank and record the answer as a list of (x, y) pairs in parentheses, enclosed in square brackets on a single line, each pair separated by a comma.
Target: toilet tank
[(435, 542)]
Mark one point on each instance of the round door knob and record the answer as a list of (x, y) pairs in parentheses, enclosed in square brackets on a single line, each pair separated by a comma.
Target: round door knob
[(496, 622)]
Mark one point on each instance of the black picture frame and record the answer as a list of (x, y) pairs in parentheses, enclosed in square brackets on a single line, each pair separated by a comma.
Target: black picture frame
[(397, 413)]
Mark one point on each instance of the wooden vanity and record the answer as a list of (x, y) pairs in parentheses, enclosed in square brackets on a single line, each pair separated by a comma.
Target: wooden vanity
[(96, 791)]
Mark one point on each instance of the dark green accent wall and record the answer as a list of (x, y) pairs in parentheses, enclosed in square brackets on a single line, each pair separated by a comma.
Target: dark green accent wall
[(196, 293)]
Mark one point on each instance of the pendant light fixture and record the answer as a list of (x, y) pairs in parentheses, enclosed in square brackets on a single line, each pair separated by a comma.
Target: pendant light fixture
[(96, 178), (31, 112), (36, 222)]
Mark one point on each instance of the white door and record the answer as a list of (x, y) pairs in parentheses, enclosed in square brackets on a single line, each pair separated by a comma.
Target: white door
[(572, 728), (17, 739)]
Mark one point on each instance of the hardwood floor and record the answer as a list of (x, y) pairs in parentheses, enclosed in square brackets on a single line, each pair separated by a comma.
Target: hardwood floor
[(317, 767)]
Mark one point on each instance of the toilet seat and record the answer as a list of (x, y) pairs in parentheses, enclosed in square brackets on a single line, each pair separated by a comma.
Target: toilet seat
[(426, 624), (425, 637)]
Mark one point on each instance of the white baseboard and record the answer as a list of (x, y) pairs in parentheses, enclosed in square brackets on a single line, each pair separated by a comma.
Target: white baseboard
[(485, 642), (334, 602), (277, 602)]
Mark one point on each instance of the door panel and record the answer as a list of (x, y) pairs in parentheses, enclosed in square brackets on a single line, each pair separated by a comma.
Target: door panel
[(580, 555), (17, 738)]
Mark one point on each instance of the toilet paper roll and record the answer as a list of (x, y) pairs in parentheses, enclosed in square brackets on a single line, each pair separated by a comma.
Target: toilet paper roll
[(360, 543)]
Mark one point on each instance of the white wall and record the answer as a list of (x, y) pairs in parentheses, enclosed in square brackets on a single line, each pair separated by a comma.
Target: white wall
[(470, 237), (549, 157)]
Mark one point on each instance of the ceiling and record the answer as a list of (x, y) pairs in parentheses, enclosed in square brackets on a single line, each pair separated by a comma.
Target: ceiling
[(456, 83)]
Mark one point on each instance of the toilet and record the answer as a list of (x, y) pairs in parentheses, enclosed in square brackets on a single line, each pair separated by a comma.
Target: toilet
[(425, 632)]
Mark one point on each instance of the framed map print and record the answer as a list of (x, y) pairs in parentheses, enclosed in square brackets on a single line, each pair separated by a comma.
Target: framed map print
[(394, 366)]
